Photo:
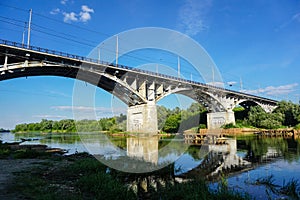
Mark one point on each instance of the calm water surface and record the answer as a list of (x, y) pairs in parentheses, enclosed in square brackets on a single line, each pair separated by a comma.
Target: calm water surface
[(241, 160)]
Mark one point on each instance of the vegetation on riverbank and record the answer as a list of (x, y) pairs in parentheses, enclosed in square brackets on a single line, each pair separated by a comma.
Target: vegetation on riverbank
[(112, 124), (287, 114), (81, 176), (2, 130)]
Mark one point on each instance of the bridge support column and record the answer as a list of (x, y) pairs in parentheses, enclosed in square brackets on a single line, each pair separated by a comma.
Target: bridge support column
[(142, 118), (217, 119)]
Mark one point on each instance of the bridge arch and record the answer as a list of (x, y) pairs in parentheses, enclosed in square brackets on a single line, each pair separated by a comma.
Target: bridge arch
[(105, 81), (247, 104)]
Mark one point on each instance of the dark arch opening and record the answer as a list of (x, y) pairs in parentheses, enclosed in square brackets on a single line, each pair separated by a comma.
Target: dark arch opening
[(242, 110)]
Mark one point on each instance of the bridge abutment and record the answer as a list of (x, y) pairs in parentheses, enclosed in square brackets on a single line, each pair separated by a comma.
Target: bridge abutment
[(217, 119), (142, 118)]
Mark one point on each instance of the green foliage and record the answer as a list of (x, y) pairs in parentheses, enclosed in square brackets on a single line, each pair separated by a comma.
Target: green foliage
[(240, 113), (28, 153), (202, 126), (286, 114), (176, 120), (113, 124), (3, 130), (290, 111), (196, 189), (103, 186), (257, 117), (172, 124), (230, 125), (297, 126)]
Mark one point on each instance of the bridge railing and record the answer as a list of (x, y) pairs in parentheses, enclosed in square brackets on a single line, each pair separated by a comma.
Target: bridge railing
[(82, 58)]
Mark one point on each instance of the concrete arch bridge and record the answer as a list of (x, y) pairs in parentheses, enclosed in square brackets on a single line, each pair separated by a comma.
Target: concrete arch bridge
[(139, 89)]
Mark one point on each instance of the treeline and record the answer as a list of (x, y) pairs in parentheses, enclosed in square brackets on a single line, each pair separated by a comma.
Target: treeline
[(169, 120), (178, 120), (112, 124), (287, 114), (2, 130)]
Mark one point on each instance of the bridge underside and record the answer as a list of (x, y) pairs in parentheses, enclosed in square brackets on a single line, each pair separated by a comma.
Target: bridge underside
[(138, 89)]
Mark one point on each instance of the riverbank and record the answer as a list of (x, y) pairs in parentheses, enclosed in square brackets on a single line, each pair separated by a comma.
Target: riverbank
[(242, 131), (46, 175)]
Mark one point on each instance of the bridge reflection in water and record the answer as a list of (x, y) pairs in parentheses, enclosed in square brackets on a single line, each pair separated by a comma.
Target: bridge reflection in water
[(143, 148), (218, 157), (221, 157)]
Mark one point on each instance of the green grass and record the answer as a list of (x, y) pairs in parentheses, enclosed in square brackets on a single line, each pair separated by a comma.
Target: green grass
[(83, 177)]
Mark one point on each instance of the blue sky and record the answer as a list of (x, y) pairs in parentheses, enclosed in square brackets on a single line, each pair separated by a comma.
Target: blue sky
[(253, 42)]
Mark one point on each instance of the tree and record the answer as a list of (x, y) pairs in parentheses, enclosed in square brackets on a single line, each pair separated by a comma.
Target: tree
[(290, 111), (172, 124), (46, 125)]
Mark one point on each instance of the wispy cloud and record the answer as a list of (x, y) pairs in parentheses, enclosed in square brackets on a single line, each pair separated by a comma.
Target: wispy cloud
[(88, 112), (55, 11), (63, 2), (50, 116), (274, 90), (57, 93), (295, 17), (87, 109), (192, 16)]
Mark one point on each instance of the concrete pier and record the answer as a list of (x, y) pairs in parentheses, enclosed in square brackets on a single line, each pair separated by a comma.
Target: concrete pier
[(142, 118), (217, 119)]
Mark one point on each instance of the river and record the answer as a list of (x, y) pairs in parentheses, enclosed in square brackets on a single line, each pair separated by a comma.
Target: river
[(242, 161)]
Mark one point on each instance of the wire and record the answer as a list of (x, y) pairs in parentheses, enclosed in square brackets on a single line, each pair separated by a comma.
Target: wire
[(85, 42)]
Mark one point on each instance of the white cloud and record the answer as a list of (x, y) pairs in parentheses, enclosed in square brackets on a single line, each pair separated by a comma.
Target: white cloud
[(68, 17), (83, 16), (57, 93), (87, 112), (87, 109), (272, 90), (85, 13), (63, 2), (55, 11), (50, 116), (192, 16), (85, 8)]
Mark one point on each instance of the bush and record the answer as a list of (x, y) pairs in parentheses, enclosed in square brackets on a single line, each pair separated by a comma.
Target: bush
[(227, 126)]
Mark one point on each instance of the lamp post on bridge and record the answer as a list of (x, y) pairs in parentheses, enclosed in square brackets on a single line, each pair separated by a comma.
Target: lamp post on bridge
[(29, 28)]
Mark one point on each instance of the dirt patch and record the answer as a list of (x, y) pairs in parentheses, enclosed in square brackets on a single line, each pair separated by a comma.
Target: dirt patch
[(9, 167)]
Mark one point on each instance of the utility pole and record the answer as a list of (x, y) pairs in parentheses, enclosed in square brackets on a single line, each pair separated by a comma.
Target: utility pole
[(99, 54), (213, 76), (178, 66), (117, 49), (29, 28), (23, 35), (241, 84)]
